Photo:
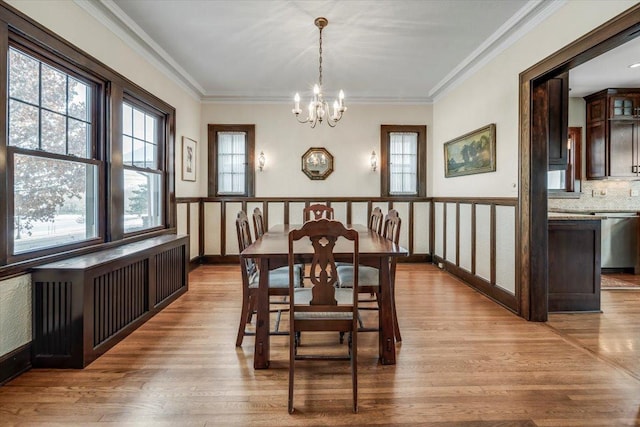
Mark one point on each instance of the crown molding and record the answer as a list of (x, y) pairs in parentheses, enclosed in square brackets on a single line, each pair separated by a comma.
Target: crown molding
[(525, 20), (112, 17), (253, 99)]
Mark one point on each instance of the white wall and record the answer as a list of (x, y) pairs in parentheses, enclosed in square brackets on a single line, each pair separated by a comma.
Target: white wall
[(491, 96), (284, 141), (15, 313)]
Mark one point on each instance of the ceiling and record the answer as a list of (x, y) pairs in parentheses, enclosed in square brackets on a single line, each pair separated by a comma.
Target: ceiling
[(609, 70), (397, 51)]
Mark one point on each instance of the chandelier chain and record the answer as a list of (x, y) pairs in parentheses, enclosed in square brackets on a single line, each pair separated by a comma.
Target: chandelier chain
[(320, 66)]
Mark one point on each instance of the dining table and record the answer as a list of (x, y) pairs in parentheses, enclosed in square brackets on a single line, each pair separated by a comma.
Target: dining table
[(271, 251)]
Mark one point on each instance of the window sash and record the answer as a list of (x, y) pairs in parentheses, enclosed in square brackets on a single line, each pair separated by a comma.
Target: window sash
[(68, 217), (140, 137), (49, 108), (403, 163), (232, 162)]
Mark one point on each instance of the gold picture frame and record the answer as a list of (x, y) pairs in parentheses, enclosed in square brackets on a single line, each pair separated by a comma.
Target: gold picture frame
[(471, 153), (317, 163)]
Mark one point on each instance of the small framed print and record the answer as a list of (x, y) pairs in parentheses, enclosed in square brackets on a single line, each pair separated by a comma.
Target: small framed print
[(189, 159)]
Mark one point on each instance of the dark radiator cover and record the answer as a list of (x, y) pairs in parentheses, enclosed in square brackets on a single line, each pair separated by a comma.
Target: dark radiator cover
[(85, 305)]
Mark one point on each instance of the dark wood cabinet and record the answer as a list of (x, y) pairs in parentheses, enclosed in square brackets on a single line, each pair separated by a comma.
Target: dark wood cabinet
[(552, 99), (574, 265), (624, 105), (612, 140)]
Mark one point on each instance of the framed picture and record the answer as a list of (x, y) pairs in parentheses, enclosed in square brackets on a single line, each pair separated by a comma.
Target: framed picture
[(474, 152), (189, 159), (317, 163)]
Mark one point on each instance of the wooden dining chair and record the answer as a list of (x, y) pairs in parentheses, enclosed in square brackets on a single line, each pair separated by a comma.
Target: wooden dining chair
[(318, 211), (278, 281), (258, 223), (375, 220), (369, 276), (323, 306)]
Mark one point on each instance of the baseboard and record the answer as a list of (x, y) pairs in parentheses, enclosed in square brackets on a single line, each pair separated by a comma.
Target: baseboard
[(612, 270), (497, 294), (194, 263), (15, 363)]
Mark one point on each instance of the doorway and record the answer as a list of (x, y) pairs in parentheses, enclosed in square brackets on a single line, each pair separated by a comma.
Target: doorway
[(533, 228)]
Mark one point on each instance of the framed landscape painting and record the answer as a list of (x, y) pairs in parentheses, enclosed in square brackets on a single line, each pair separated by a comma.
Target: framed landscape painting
[(474, 152)]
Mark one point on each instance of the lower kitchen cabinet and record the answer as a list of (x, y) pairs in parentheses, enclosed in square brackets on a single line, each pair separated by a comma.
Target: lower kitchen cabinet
[(574, 265)]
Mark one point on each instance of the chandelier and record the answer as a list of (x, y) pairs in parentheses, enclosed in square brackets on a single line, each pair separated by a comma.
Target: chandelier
[(318, 107)]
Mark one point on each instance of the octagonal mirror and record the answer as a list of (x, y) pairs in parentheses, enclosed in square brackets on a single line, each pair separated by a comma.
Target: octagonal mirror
[(317, 163)]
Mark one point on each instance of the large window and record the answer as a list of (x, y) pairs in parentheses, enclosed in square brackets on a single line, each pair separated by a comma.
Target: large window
[(403, 160), (141, 130), (86, 158), (231, 153), (53, 165)]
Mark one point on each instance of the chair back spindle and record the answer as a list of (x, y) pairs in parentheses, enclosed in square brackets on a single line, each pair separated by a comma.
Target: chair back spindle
[(258, 223), (318, 211), (376, 220)]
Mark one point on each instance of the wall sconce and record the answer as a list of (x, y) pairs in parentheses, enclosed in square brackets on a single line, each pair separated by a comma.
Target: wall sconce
[(374, 161), (261, 161)]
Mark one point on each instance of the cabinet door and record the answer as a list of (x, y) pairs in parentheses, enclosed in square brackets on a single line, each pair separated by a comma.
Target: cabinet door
[(596, 147), (622, 149), (623, 106), (557, 92)]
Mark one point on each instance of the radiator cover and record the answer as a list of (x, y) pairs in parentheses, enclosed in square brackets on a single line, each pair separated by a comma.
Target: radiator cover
[(85, 305)]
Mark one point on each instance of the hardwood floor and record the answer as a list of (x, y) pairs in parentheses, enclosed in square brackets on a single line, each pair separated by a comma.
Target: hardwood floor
[(464, 361)]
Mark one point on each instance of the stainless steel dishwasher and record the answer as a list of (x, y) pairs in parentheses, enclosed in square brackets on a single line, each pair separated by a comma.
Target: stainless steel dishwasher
[(619, 237)]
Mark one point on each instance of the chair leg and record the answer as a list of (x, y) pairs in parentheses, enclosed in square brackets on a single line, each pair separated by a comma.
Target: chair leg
[(354, 367), (244, 316), (396, 326), (292, 361), (252, 309)]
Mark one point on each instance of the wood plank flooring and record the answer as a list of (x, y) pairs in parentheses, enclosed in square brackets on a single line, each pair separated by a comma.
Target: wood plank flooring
[(464, 361)]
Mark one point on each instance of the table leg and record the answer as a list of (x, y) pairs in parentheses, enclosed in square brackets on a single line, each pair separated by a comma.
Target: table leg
[(387, 347), (261, 350)]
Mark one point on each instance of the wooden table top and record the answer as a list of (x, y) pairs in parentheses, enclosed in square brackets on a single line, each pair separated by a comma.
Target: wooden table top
[(276, 241)]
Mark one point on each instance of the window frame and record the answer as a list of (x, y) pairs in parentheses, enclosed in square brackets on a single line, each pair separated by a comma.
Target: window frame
[(421, 173), (160, 161), (249, 182), (95, 158)]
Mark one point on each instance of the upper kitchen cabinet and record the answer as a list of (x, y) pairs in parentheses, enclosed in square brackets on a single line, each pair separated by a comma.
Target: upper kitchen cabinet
[(612, 139), (552, 99)]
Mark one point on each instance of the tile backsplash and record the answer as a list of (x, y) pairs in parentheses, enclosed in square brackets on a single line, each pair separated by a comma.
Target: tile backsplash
[(604, 195)]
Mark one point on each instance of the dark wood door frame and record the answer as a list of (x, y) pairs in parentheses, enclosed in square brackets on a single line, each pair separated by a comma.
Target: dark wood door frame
[(533, 228)]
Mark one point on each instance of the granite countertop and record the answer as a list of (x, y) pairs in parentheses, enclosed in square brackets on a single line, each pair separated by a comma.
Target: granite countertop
[(592, 211), (573, 216)]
